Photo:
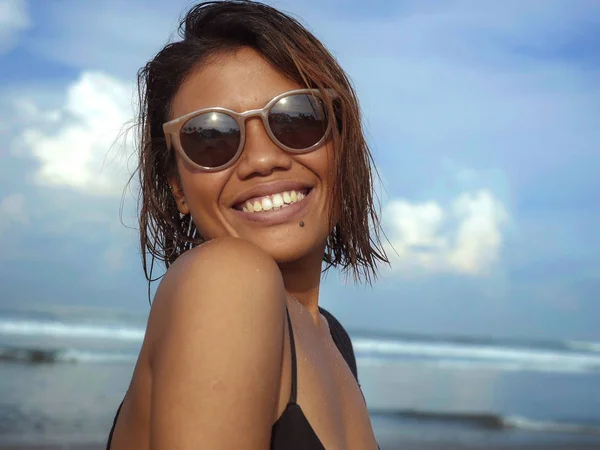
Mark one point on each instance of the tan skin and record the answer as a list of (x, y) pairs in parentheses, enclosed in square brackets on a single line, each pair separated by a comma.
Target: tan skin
[(214, 370)]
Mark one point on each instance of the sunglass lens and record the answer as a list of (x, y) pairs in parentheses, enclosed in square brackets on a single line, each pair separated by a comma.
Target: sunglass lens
[(298, 121), (211, 139)]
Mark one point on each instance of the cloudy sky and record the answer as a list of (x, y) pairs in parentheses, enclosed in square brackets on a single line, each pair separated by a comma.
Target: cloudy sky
[(484, 119)]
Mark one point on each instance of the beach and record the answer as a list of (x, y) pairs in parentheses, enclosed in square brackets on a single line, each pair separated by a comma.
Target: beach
[(63, 376)]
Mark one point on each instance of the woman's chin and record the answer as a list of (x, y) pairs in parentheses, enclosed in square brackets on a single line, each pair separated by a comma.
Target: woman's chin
[(289, 249)]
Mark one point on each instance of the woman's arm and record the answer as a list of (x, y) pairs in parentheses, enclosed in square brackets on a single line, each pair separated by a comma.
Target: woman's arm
[(216, 344)]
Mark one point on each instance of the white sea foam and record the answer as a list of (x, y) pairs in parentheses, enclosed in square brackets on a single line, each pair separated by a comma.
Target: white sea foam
[(468, 356), (500, 422), (584, 346), (523, 423), (94, 357), (573, 357), (60, 329)]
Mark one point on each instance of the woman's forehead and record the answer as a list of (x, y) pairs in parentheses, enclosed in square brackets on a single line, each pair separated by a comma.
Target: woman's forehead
[(239, 80)]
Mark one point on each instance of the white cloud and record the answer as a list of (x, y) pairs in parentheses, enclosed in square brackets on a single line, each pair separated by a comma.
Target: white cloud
[(13, 20), (84, 148), (465, 237), (13, 212)]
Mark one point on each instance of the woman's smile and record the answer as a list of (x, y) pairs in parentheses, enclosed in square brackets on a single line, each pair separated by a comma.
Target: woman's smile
[(285, 204)]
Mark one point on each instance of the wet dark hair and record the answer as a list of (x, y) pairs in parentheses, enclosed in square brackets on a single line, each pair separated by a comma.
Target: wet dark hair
[(207, 30)]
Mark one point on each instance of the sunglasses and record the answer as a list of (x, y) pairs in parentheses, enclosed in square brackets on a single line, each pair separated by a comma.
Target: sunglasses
[(213, 138)]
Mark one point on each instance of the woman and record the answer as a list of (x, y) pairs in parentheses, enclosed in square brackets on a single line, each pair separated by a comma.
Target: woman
[(252, 146)]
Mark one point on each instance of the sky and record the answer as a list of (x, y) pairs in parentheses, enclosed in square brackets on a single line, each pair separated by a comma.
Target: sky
[(483, 118)]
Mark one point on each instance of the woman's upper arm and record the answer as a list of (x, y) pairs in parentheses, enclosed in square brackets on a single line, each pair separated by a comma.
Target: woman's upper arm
[(216, 345)]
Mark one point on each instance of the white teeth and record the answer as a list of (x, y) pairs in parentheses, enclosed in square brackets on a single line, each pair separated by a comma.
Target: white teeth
[(277, 200), (273, 202), (267, 204)]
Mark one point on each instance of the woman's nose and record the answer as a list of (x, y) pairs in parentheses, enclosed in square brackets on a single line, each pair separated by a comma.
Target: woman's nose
[(260, 155)]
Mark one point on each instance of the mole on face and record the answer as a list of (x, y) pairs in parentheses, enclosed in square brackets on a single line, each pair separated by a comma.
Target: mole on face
[(301, 224)]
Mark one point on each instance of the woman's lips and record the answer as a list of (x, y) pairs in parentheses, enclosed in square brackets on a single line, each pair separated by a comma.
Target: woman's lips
[(265, 189), (277, 216), (274, 201)]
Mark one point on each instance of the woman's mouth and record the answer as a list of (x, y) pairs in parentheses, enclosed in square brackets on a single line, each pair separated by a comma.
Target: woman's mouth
[(272, 202), (277, 208)]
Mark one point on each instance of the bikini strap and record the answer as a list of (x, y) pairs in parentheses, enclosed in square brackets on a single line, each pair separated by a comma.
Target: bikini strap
[(293, 355)]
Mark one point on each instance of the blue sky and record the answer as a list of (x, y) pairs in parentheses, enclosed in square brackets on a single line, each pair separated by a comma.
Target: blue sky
[(484, 119)]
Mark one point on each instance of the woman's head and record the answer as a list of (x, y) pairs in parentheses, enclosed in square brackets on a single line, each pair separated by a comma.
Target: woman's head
[(241, 55)]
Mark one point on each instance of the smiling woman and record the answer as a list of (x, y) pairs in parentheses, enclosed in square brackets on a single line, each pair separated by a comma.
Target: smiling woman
[(254, 173)]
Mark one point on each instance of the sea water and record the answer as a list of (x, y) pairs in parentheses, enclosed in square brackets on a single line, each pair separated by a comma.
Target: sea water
[(63, 373)]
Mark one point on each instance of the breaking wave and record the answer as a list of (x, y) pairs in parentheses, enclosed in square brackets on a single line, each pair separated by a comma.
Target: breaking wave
[(499, 422)]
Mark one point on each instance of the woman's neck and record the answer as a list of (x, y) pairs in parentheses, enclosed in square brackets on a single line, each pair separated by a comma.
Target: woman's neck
[(302, 279)]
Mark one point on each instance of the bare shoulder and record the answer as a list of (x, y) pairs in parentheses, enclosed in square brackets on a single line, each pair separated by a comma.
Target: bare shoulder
[(215, 338), (224, 277), (220, 260), (227, 250)]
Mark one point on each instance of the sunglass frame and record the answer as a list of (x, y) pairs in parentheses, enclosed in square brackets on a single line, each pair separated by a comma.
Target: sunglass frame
[(172, 129)]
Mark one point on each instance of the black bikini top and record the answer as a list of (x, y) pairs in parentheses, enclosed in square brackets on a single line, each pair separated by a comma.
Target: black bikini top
[(292, 431)]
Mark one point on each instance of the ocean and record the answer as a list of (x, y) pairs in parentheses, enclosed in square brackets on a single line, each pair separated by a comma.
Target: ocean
[(63, 373)]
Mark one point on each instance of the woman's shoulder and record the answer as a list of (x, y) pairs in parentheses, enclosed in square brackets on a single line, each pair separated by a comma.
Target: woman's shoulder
[(221, 258), (224, 282), (215, 338), (224, 265)]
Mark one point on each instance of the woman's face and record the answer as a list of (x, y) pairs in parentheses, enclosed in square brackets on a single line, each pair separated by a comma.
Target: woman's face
[(241, 81)]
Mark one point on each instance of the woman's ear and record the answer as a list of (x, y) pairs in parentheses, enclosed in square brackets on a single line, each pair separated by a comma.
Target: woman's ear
[(179, 197)]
